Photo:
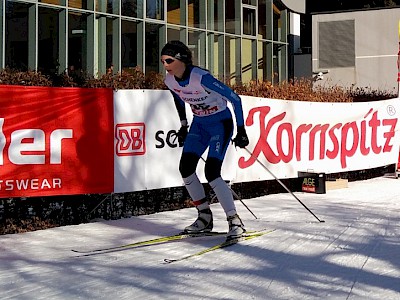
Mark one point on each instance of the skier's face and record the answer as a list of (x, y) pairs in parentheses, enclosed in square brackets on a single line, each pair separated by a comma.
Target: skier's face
[(173, 66)]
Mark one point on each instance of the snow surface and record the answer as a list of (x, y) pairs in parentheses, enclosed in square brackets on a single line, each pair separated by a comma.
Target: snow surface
[(355, 254)]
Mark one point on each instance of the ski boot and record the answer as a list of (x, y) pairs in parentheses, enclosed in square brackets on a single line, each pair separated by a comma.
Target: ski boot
[(203, 223), (236, 228)]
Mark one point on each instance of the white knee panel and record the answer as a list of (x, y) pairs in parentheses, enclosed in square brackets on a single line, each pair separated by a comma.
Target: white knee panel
[(224, 195), (194, 187)]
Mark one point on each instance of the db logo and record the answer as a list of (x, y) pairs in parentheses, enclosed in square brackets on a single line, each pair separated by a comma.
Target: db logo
[(130, 139)]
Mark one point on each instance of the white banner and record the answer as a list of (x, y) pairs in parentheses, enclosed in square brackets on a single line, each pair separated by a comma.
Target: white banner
[(285, 136), (147, 152), (292, 136)]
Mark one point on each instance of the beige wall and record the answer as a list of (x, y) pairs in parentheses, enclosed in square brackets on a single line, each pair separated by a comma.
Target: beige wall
[(376, 47)]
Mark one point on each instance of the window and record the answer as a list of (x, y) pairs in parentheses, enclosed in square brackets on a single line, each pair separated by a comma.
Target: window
[(132, 8), (262, 21), (109, 45), (82, 4), (247, 60), (216, 54), (231, 57), (174, 33), (77, 41), (153, 47), (196, 13), (279, 22), (231, 17), (129, 44), (55, 2), (215, 15), (16, 36), (249, 21), (279, 63), (155, 9), (197, 44), (107, 6), (175, 15), (264, 54), (48, 47)]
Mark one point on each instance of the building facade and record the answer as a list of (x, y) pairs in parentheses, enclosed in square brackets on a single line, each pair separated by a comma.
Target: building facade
[(235, 40), (357, 49)]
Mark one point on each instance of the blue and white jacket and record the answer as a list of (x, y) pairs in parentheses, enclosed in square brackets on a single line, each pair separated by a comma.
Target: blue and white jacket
[(206, 95)]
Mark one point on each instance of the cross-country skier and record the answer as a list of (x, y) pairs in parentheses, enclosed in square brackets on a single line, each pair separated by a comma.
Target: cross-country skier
[(212, 128)]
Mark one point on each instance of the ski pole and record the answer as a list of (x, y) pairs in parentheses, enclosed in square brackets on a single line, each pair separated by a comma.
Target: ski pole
[(237, 197), (282, 184)]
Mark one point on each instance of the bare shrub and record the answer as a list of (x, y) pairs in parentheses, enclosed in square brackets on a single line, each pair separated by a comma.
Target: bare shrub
[(129, 79), (367, 94), (154, 81), (301, 90), (134, 78), (27, 78)]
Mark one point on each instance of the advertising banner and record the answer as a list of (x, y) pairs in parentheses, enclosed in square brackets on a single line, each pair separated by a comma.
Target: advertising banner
[(285, 136), (55, 141), (147, 153), (292, 136), (60, 141)]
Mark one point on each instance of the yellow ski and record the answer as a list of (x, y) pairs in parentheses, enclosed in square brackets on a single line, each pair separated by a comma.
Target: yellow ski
[(248, 236)]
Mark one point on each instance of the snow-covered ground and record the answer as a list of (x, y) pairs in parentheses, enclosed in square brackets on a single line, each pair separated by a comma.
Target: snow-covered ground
[(355, 254)]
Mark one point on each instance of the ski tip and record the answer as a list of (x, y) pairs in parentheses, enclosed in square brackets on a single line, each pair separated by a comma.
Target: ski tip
[(168, 261)]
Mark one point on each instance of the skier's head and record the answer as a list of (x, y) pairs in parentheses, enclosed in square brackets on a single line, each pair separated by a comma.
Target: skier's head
[(179, 51)]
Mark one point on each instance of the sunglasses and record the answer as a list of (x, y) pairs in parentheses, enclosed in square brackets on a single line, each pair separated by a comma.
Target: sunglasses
[(168, 61)]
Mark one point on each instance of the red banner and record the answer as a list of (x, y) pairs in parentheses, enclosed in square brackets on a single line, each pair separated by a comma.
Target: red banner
[(55, 141)]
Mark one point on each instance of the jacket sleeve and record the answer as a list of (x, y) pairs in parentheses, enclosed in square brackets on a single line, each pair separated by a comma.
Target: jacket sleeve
[(180, 107), (210, 83)]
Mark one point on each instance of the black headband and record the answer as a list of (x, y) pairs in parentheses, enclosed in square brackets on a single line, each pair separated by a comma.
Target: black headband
[(178, 51)]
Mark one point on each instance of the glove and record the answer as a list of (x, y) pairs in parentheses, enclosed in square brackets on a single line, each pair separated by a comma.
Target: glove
[(241, 140), (181, 134)]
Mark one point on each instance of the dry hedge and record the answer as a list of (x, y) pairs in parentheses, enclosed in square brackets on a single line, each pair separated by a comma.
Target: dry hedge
[(134, 78)]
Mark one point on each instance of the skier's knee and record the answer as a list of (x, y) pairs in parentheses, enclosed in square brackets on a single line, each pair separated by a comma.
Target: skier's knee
[(188, 164), (213, 169)]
